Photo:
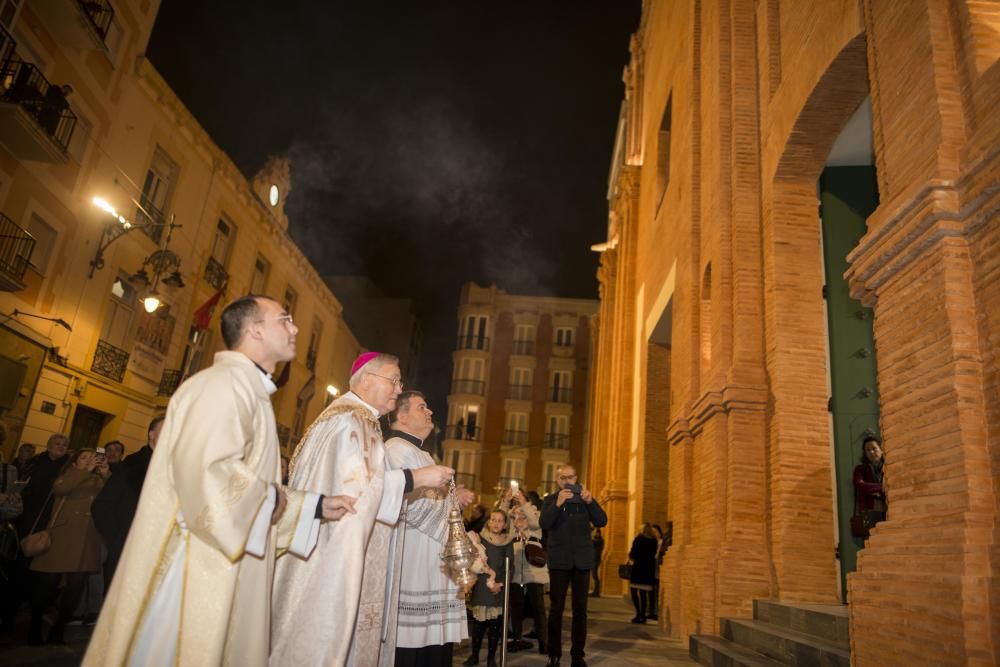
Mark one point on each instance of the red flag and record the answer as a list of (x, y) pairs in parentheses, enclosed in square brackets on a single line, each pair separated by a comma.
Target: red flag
[(203, 316)]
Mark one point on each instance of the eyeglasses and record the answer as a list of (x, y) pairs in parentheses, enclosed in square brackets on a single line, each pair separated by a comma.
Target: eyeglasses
[(396, 381), (567, 478), (286, 318)]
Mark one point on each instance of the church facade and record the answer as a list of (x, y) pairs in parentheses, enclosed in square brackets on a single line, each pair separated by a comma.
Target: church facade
[(802, 253)]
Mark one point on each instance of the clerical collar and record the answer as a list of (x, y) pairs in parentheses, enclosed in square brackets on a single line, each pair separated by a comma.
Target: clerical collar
[(409, 437), (352, 396), (266, 378)]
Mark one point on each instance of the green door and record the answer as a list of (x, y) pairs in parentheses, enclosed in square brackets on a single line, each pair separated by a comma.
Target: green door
[(848, 195)]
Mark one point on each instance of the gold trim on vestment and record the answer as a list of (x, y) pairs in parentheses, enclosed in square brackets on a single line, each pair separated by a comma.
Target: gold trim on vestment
[(335, 409)]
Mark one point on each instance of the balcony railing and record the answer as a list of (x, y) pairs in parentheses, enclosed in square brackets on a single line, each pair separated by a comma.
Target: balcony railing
[(16, 246), (474, 343), (461, 432), (150, 219), (556, 441), (560, 395), (22, 83), (520, 392), (100, 13), (109, 361), (169, 382), (523, 347), (215, 274), (477, 387), (515, 437), (7, 45)]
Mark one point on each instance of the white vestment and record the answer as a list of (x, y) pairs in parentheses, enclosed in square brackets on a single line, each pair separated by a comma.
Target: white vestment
[(328, 609), (426, 607), (193, 584)]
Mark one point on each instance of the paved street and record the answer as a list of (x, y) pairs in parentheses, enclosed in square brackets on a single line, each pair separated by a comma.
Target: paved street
[(611, 641)]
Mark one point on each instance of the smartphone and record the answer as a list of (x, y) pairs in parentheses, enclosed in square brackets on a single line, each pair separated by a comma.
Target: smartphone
[(514, 485), (99, 454)]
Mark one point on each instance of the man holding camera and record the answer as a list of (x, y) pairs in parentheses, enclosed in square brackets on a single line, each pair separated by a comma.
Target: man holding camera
[(568, 516)]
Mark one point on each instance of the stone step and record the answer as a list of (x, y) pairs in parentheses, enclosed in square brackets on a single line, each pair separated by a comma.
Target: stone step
[(827, 621), (786, 646), (715, 651)]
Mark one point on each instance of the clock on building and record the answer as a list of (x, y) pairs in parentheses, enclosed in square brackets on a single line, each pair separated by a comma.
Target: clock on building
[(273, 194)]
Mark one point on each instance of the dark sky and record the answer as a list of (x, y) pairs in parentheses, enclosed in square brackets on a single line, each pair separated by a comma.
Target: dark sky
[(431, 142)]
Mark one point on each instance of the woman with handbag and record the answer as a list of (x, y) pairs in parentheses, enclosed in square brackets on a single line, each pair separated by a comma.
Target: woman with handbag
[(75, 549), (643, 575), (530, 575)]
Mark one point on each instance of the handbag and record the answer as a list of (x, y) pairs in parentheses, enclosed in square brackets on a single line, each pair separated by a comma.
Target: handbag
[(37, 543), (625, 571), (535, 553)]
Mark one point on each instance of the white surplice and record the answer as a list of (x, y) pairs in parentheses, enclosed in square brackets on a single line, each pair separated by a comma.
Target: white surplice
[(193, 584), (328, 608)]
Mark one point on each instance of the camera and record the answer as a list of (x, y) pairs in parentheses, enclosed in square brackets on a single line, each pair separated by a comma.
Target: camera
[(576, 489)]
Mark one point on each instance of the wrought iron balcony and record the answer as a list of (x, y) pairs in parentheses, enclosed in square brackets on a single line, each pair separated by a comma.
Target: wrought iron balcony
[(461, 432), (523, 347), (16, 246), (7, 45), (109, 361), (169, 382), (83, 24), (515, 437), (474, 342), (556, 441), (560, 395), (477, 387), (215, 274), (36, 122), (520, 392), (150, 219)]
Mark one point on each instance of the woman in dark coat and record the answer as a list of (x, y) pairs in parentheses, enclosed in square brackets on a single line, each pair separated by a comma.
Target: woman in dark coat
[(76, 546), (868, 491), (643, 557)]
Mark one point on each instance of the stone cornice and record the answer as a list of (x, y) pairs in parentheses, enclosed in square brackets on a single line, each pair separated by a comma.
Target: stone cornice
[(742, 397), (156, 87)]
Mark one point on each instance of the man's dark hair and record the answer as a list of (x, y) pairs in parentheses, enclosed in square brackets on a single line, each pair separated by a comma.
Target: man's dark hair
[(235, 317), (154, 422), (403, 403), (114, 443)]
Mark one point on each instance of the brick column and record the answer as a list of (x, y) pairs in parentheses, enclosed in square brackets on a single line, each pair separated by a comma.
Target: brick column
[(926, 590)]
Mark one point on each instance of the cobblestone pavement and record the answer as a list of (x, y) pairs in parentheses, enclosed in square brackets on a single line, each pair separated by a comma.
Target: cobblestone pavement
[(611, 641)]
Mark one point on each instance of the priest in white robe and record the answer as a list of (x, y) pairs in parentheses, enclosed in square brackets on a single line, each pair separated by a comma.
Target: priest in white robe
[(329, 607), (426, 614), (194, 581)]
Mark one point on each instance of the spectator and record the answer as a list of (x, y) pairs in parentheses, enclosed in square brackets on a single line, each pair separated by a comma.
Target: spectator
[(25, 453), (10, 508), (114, 452), (528, 581), (597, 539), (54, 105), (44, 469), (477, 519), (76, 546), (535, 499), (568, 516), (643, 557), (114, 508), (486, 601), (869, 492)]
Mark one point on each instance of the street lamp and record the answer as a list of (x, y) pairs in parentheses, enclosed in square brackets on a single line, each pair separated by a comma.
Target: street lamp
[(162, 261)]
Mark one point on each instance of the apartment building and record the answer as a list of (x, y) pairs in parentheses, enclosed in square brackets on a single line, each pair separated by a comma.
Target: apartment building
[(519, 395), (122, 223)]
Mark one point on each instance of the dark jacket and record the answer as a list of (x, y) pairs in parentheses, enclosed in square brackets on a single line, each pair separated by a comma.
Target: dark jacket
[(643, 557), (495, 555), (568, 530), (36, 492), (114, 508), (868, 489)]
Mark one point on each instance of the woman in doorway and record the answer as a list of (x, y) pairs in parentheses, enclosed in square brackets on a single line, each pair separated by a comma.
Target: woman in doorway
[(868, 489), (643, 557), (76, 546)]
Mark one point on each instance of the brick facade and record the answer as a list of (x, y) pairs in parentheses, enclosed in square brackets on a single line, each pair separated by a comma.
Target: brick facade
[(718, 221)]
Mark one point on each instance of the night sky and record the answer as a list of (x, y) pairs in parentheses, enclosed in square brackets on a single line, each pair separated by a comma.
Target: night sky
[(431, 143)]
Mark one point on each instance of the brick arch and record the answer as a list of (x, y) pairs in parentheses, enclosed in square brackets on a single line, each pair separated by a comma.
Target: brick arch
[(837, 95), (800, 500)]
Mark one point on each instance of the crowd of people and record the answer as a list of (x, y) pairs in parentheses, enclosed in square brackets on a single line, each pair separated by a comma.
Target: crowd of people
[(211, 547)]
